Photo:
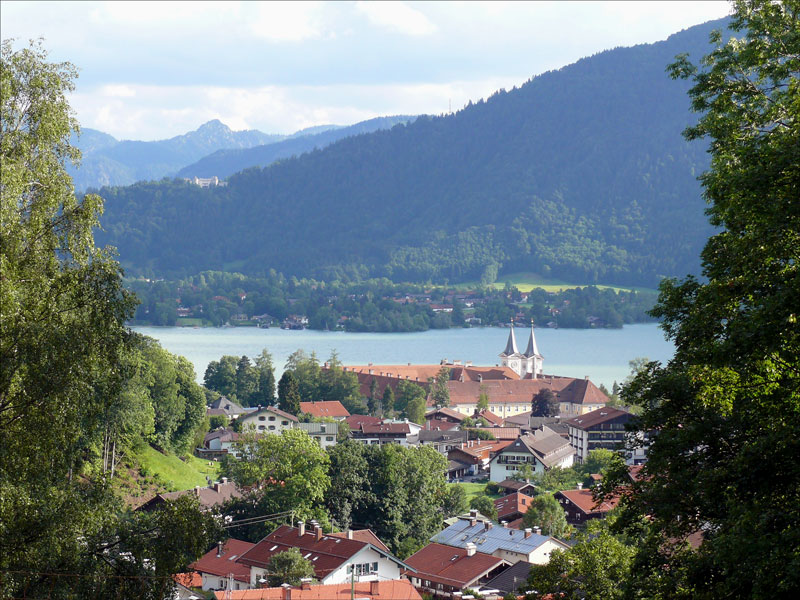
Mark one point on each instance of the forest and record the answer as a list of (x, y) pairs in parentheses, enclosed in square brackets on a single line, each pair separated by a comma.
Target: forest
[(216, 298), (579, 174)]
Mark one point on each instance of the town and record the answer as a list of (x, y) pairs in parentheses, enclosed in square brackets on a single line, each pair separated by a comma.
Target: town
[(505, 431)]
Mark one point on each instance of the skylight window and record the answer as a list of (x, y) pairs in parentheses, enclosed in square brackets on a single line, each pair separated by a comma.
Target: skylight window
[(307, 555), (273, 548)]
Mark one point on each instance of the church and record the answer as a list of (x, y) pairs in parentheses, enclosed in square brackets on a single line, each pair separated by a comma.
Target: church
[(510, 386)]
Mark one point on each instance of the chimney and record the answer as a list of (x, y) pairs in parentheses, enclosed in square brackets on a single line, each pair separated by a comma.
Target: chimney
[(197, 491), (504, 523), (580, 485), (219, 549), (305, 583), (349, 534), (301, 525), (487, 525), (471, 549), (374, 587), (537, 530), (473, 512), (473, 521), (528, 532), (224, 480), (318, 532), (286, 591)]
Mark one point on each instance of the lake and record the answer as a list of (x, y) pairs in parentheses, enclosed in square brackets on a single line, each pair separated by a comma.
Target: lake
[(602, 354)]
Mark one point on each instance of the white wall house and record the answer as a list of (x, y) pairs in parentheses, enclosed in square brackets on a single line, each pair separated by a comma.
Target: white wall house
[(269, 420), (540, 451)]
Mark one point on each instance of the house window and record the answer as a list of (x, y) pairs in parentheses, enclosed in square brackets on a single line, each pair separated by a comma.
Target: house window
[(284, 423), (272, 418), (261, 428), (272, 427), (262, 418), (329, 438)]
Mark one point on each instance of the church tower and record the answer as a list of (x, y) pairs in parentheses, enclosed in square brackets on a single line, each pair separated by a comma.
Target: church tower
[(511, 356), (533, 361)]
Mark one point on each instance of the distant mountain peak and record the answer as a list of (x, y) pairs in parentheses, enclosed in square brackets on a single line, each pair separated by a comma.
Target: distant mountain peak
[(215, 126)]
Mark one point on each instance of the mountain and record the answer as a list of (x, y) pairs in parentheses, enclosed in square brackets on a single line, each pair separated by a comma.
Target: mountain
[(107, 161), (226, 162), (580, 173)]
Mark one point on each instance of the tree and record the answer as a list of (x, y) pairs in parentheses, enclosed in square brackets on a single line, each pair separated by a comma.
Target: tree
[(285, 472), (410, 401), (387, 402), (288, 393), (66, 363), (265, 394), (594, 568), (484, 505), (288, 567), (483, 400), (374, 403), (440, 394), (544, 404), (220, 375), (246, 381), (722, 462), (546, 512), (455, 500)]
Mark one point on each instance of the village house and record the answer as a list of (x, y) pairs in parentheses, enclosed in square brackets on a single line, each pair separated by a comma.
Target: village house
[(323, 433), (512, 506), (218, 443), (327, 408), (476, 453), (334, 558), (512, 545), (580, 505), (219, 568), (223, 406), (208, 497), (512, 486), (269, 419), (540, 451), (387, 432), (602, 428), (443, 571), (508, 581), (443, 441)]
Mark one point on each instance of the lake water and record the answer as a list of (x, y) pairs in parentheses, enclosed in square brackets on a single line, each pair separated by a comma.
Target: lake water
[(602, 354)]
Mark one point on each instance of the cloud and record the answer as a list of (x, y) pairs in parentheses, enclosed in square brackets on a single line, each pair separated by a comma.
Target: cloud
[(397, 16), (287, 21)]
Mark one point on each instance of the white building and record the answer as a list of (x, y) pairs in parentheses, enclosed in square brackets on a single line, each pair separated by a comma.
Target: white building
[(539, 450)]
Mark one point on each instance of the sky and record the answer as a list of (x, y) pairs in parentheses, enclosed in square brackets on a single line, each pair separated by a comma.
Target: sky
[(153, 70)]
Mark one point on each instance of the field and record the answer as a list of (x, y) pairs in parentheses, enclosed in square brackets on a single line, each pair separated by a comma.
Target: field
[(475, 489), (174, 472), (525, 282)]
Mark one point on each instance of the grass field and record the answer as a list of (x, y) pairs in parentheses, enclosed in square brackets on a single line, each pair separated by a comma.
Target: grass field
[(475, 489), (174, 472), (189, 322), (525, 282)]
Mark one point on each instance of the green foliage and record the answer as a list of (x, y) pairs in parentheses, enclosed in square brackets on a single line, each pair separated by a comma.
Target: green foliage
[(74, 384), (396, 491), (288, 567), (479, 434), (546, 512), (455, 500), (593, 568), (726, 406), (440, 394), (410, 401), (217, 421), (485, 506), (544, 404), (289, 393)]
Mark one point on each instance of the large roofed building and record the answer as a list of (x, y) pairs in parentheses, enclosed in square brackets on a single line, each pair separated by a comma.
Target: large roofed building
[(509, 386)]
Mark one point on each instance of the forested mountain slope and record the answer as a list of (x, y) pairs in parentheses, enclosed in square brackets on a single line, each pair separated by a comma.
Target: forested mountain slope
[(581, 173), (223, 163)]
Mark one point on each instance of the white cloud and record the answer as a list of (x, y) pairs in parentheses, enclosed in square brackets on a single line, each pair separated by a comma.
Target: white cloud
[(397, 16), (287, 21)]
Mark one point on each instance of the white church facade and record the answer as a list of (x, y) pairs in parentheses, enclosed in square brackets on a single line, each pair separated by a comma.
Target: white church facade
[(528, 364)]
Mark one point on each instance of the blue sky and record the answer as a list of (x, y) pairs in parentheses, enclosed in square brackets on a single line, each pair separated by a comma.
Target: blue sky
[(151, 70)]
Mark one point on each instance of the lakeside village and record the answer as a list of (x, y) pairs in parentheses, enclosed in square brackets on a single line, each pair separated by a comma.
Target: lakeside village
[(472, 555)]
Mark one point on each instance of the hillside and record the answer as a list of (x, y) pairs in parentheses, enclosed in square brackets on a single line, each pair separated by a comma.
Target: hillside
[(223, 163), (579, 174)]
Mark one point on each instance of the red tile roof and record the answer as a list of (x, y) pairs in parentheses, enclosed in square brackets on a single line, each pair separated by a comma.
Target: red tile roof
[(208, 497), (363, 535), (490, 416), (190, 580), (394, 589), (438, 424), (226, 563), (513, 504), (503, 433), (325, 408), (392, 428), (451, 566), (520, 391), (597, 417), (355, 421), (584, 501), (326, 554)]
